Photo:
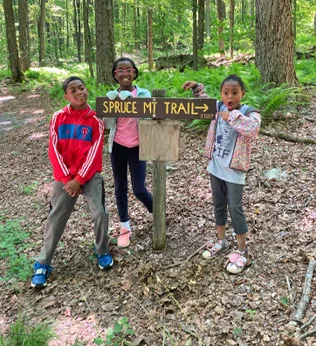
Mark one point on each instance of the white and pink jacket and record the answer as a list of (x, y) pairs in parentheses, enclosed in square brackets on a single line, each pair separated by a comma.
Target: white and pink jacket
[(247, 124)]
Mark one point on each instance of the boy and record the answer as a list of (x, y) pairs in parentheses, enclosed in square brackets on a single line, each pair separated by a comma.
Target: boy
[(75, 152)]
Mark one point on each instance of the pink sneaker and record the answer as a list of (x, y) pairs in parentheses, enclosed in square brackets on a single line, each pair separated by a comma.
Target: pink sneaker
[(123, 239)]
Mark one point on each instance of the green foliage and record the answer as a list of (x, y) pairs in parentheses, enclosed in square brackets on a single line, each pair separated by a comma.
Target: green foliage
[(305, 37), (4, 73), (237, 331), (266, 98), (29, 189), (305, 71), (12, 245), (23, 334), (118, 335), (276, 98), (285, 301), (78, 343)]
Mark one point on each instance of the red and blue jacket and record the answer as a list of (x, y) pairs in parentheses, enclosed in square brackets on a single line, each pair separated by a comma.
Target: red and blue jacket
[(75, 144)]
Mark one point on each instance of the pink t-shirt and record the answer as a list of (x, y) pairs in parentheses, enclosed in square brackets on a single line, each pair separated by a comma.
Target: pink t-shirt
[(127, 130)]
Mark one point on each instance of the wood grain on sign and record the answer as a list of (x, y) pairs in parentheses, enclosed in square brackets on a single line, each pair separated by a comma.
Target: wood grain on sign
[(159, 140)]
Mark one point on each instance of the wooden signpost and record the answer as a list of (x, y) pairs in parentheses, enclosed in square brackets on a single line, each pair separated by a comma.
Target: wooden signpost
[(157, 108), (159, 140)]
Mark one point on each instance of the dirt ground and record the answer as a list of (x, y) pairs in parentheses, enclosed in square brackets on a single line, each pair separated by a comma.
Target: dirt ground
[(193, 303)]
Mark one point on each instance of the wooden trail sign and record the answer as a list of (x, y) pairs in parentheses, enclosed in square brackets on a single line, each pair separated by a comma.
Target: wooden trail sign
[(157, 108), (159, 138)]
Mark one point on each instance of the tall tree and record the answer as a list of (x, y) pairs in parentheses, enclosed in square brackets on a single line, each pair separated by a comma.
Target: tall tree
[(252, 12), (135, 20), (41, 33), (207, 18), (87, 41), (221, 15), (274, 41), (231, 27), (201, 26), (105, 50), (16, 72), (67, 29), (294, 18), (243, 10), (24, 35), (77, 23), (194, 35), (150, 39)]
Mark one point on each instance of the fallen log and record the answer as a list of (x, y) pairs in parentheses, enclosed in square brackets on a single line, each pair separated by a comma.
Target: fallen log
[(287, 137)]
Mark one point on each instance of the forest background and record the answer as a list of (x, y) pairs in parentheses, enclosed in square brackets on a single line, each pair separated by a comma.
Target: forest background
[(269, 43)]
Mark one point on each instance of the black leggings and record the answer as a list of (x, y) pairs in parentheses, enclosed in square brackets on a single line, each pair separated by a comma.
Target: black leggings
[(121, 157)]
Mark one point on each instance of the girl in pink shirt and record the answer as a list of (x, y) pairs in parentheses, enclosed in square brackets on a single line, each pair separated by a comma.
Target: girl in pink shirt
[(124, 149)]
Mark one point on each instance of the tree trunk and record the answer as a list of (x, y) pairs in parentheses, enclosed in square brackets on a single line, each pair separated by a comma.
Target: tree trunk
[(252, 12), (294, 19), (201, 15), (150, 39), (274, 41), (41, 34), (105, 50), (16, 72), (135, 19), (67, 29), (76, 5), (231, 27), (87, 43), (123, 29), (194, 36), (207, 19), (54, 40), (24, 35), (221, 15), (243, 10)]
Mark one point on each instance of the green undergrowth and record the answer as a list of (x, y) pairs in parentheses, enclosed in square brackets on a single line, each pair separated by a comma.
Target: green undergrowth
[(13, 241), (21, 333), (265, 97)]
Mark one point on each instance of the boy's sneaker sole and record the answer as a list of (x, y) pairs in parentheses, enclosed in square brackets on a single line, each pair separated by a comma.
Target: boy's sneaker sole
[(38, 285)]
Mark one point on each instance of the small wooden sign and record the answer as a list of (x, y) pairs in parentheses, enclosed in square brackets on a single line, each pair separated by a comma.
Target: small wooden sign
[(159, 140), (156, 108)]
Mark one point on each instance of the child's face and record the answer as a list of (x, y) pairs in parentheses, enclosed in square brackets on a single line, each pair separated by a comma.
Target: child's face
[(231, 94), (77, 94), (125, 74)]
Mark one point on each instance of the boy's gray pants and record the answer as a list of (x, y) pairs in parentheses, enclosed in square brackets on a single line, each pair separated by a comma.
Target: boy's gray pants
[(228, 194), (62, 205)]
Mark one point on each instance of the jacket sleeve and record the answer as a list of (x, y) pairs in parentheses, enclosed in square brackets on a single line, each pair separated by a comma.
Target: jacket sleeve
[(93, 161), (247, 125), (59, 167), (141, 92)]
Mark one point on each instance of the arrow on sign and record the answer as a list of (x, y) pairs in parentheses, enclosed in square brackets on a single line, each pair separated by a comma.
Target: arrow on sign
[(204, 107)]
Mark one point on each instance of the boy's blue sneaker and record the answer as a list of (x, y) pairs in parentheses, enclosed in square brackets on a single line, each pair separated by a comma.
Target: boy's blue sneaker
[(41, 273), (105, 261)]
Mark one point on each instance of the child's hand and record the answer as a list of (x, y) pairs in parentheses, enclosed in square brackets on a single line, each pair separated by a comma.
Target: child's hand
[(112, 95), (224, 115), (189, 85), (73, 188), (124, 94)]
